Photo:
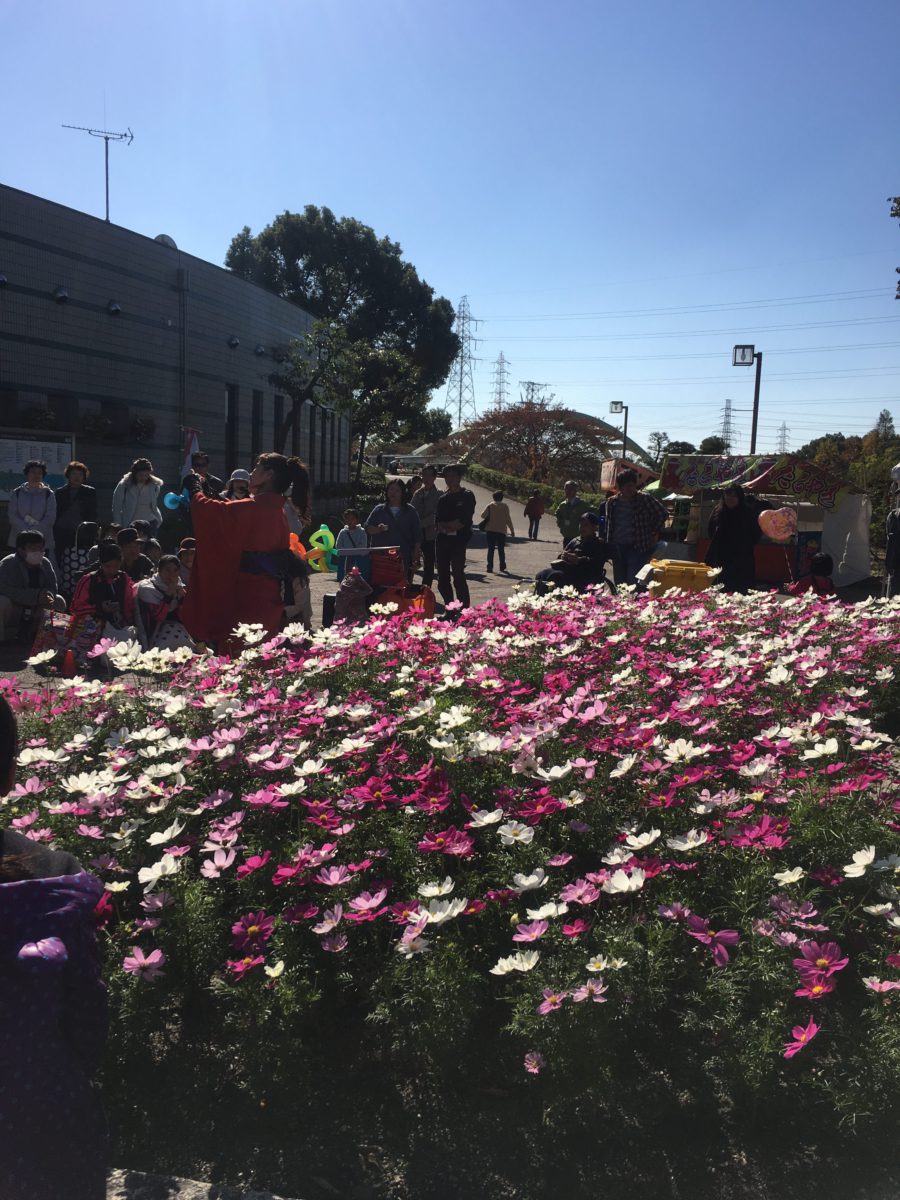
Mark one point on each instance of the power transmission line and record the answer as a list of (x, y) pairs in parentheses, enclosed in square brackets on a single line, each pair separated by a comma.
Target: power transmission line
[(501, 382), (460, 397)]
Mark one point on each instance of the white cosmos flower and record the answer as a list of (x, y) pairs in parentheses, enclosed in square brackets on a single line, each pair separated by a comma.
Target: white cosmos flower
[(482, 817), (41, 754), (455, 716), (682, 750), (552, 773), (311, 766), (623, 766), (117, 887), (878, 910), (514, 833), (528, 883), (165, 835), (619, 882), (884, 674), (778, 675), (793, 876), (276, 970), (44, 656), (525, 960), (597, 964), (640, 841), (861, 860), (688, 841), (440, 911), (436, 888), (547, 911), (482, 744), (150, 876), (822, 749), (617, 855)]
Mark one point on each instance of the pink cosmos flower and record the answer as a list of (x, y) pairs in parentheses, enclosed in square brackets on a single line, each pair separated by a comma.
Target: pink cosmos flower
[(448, 841), (716, 939), (579, 892), (559, 860), (893, 960), (534, 1062), (31, 787), (253, 863), (530, 931), (674, 911), (802, 1036), (212, 868), (367, 902), (591, 989), (333, 876), (330, 920), (576, 928), (882, 985), (553, 1000), (146, 966), (335, 943), (251, 930), (820, 958), (90, 831)]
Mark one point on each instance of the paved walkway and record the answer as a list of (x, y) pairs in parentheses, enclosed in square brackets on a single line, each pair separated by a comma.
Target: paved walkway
[(523, 558)]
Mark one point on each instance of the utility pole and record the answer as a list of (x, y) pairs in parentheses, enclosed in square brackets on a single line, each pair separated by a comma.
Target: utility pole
[(108, 137), (460, 385)]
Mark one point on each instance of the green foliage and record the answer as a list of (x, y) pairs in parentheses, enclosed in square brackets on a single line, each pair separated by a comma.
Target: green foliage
[(521, 489), (713, 445)]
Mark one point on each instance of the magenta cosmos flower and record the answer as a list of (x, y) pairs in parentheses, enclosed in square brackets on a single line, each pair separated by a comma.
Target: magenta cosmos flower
[(145, 966), (802, 1035), (717, 939), (534, 1062), (252, 930), (553, 999), (821, 958)]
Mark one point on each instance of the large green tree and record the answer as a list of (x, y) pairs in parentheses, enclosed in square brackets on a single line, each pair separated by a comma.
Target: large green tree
[(375, 318)]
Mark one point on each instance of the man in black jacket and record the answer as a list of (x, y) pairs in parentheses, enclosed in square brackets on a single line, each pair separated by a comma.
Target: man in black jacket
[(453, 518), (210, 485)]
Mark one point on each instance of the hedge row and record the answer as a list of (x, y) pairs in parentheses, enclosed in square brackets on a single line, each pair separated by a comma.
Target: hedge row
[(521, 489)]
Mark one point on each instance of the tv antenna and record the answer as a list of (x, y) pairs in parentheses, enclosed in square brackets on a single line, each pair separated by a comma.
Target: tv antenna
[(108, 137)]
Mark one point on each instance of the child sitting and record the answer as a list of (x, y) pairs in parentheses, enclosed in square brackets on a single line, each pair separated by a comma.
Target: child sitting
[(818, 580), (352, 537)]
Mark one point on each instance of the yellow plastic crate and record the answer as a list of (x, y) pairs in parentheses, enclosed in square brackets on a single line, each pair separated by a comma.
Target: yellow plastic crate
[(687, 576)]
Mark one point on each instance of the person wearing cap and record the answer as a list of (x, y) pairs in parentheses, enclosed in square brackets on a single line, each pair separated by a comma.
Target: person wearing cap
[(582, 562), (238, 486), (210, 485), (135, 563)]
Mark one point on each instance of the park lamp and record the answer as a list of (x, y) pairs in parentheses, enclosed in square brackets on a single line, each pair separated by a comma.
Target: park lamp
[(746, 356), (616, 406)]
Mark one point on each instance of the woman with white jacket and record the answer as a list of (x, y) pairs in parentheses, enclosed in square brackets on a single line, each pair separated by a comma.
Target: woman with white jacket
[(136, 497), (32, 505)]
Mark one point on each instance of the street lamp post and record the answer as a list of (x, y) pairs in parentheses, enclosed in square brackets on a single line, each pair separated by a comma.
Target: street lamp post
[(746, 356), (616, 406)]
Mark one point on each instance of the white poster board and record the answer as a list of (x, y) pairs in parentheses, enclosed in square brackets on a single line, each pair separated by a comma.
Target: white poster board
[(15, 452)]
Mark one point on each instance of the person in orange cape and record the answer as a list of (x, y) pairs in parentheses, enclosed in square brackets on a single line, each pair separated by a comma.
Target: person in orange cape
[(242, 551)]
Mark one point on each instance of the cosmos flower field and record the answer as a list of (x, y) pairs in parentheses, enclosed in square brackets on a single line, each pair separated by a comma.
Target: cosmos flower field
[(546, 834)]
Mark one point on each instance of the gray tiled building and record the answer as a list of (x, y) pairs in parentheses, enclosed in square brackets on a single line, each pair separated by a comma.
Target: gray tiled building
[(126, 341)]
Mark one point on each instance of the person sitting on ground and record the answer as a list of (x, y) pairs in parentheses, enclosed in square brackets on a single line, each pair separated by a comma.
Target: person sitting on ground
[(568, 514), (582, 562), (818, 580), (534, 510), (159, 600), (107, 593), (186, 552), (104, 533), (497, 520), (136, 564), (153, 550), (237, 487), (53, 1014), (352, 537), (27, 587)]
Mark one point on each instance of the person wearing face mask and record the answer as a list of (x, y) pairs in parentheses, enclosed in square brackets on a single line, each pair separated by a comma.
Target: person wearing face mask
[(27, 586), (238, 486)]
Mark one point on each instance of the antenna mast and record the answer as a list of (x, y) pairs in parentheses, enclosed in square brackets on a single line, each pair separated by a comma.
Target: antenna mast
[(108, 137)]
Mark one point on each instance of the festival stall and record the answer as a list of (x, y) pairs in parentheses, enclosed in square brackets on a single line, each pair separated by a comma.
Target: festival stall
[(833, 515)]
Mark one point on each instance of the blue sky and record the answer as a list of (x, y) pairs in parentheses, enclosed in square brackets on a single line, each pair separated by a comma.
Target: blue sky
[(623, 190)]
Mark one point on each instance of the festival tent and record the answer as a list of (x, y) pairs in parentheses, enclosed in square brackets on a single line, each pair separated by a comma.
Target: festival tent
[(845, 508)]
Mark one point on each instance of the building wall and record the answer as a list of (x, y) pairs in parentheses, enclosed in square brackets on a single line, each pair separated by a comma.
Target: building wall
[(165, 359)]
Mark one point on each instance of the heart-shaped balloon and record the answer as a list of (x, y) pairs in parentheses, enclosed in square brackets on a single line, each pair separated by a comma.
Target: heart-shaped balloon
[(778, 524)]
